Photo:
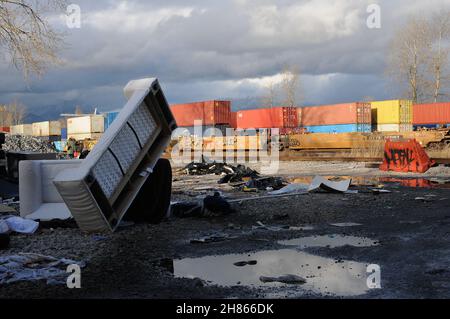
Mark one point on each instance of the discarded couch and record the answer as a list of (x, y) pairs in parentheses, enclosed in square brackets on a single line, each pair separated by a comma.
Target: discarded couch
[(100, 191), (39, 199)]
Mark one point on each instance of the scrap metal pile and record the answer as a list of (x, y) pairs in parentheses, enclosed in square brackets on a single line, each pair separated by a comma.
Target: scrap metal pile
[(230, 173), (239, 176), (18, 143)]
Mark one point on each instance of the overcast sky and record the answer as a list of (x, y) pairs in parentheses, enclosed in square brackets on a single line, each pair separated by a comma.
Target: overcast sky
[(203, 49)]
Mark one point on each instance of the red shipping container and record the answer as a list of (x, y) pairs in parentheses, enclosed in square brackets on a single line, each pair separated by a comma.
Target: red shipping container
[(209, 112), (277, 117), (233, 120), (432, 113), (5, 129), (346, 113)]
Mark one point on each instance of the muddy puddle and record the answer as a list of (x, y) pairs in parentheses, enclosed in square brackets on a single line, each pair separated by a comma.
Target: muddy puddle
[(374, 181), (326, 276), (329, 241)]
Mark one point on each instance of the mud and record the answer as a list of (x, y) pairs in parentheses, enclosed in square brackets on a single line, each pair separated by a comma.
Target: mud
[(407, 238)]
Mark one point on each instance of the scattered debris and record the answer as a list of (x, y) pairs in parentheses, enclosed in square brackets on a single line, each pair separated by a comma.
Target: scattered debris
[(270, 228), (378, 191), (262, 183), (285, 279), (345, 224), (320, 182), (215, 205), (186, 209), (218, 237), (34, 267), (19, 143), (21, 225), (291, 188), (231, 173), (245, 263)]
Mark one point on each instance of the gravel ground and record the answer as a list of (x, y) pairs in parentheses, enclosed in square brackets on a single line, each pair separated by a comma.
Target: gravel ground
[(413, 238)]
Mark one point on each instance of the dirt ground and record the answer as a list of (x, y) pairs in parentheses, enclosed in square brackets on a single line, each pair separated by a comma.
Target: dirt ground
[(408, 228)]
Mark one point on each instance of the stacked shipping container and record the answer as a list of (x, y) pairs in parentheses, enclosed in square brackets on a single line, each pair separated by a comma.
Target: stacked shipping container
[(431, 115), (392, 116), (85, 127), (277, 117), (209, 112), (212, 115), (337, 118)]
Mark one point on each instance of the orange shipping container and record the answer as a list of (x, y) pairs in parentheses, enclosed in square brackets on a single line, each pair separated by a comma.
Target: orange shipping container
[(209, 112), (431, 114), (347, 113), (277, 117)]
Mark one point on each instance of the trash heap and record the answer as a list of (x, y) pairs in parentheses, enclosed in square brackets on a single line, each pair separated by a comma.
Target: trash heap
[(18, 143), (230, 173)]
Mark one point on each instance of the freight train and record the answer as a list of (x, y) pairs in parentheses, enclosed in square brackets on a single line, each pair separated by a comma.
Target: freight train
[(325, 127)]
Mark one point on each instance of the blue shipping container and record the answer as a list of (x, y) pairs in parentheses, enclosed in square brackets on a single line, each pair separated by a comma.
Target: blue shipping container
[(109, 118), (64, 134), (340, 128)]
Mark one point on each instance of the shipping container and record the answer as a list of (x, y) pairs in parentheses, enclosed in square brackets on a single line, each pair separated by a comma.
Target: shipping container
[(209, 112), (392, 127), (342, 114), (86, 124), (277, 117), (431, 114), (109, 119), (64, 133), (392, 112), (5, 129), (47, 128), (84, 136), (233, 120), (339, 128), (22, 129)]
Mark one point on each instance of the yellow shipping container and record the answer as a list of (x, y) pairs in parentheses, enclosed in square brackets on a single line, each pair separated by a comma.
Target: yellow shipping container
[(392, 112)]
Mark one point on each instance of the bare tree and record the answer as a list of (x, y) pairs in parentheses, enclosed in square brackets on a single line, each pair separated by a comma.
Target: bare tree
[(12, 114), (269, 99), (17, 111), (290, 85), (408, 57), (30, 41), (439, 28)]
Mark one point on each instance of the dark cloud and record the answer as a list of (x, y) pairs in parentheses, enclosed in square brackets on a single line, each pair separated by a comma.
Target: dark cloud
[(207, 49)]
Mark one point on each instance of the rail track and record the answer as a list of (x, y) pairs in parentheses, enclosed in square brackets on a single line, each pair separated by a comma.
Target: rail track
[(319, 155)]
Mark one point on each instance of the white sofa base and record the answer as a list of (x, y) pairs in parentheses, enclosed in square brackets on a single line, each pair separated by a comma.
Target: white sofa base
[(39, 199)]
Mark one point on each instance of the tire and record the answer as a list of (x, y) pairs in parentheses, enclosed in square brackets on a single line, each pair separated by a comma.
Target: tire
[(153, 200)]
